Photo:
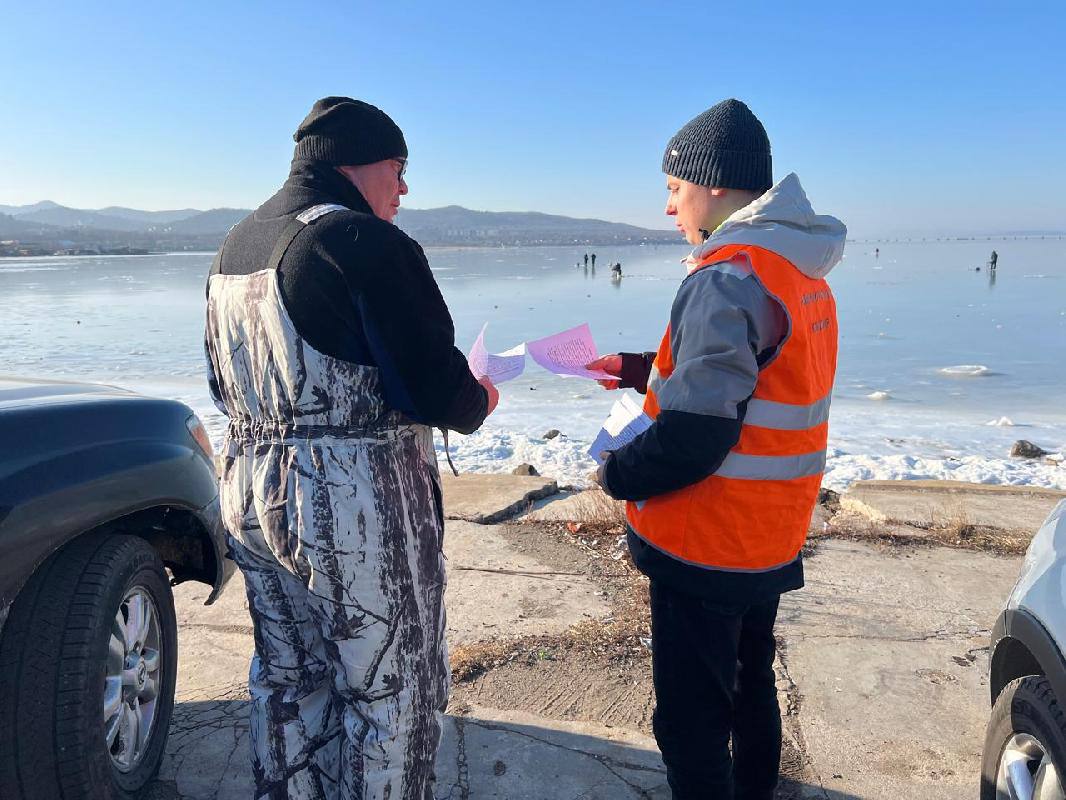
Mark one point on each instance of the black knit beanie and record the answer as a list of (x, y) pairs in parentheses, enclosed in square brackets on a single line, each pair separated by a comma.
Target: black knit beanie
[(726, 147), (346, 132)]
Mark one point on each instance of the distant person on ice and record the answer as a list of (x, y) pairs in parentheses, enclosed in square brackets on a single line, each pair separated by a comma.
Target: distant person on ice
[(331, 351), (586, 259), (722, 486), (616, 270), (594, 261), (993, 260)]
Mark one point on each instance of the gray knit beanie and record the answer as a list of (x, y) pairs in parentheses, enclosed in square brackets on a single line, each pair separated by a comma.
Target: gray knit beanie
[(347, 132), (726, 147)]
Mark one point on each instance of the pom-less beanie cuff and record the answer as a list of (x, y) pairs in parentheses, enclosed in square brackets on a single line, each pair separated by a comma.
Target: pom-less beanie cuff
[(728, 169), (337, 151)]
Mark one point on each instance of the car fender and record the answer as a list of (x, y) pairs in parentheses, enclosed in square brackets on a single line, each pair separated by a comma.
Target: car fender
[(51, 502), (1017, 628)]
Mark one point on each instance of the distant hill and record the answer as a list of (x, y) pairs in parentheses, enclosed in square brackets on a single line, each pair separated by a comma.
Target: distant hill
[(18, 227), (455, 225), (14, 211), (217, 220), (118, 218), (191, 228), (10, 227), (63, 217), (149, 217)]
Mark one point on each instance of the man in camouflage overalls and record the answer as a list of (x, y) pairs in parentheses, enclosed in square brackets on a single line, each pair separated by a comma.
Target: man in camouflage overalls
[(332, 353)]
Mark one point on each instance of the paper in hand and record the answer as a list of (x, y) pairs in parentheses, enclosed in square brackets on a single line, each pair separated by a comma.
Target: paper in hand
[(625, 423), (567, 353), (498, 367)]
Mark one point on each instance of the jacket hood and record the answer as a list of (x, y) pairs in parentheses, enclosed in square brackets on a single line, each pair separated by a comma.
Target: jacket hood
[(782, 220)]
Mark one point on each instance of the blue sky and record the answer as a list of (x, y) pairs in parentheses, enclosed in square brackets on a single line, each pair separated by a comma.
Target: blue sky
[(903, 118)]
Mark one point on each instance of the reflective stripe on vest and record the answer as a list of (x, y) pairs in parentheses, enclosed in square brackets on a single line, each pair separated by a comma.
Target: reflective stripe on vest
[(771, 468), (655, 381), (786, 416), (752, 514)]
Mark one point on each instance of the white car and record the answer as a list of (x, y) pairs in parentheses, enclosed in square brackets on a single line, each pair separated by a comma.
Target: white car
[(1025, 746)]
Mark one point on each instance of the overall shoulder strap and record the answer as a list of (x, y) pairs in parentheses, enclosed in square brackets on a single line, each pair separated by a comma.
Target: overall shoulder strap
[(297, 224), (216, 265)]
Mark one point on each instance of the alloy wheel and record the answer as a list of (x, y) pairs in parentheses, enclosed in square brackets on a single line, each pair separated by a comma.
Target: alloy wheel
[(1026, 771), (133, 678)]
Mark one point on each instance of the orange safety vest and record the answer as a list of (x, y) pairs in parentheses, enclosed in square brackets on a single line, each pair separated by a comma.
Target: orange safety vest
[(753, 513)]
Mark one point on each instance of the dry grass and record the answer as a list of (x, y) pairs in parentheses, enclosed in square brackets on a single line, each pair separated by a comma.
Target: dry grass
[(622, 637), (983, 538), (953, 531), (599, 511)]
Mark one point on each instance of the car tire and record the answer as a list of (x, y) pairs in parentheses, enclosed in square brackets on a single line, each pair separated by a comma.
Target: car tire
[(1027, 730), (57, 663)]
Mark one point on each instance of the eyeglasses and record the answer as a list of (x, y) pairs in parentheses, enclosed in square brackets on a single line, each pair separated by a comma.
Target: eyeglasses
[(403, 168)]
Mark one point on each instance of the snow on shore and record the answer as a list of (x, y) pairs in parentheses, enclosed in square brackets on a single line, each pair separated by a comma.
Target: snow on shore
[(497, 450), (843, 469), (494, 451)]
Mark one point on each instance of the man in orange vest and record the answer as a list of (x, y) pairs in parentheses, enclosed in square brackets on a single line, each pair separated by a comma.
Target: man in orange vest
[(722, 486)]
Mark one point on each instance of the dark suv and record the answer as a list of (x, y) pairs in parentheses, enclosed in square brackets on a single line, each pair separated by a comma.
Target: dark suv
[(107, 498)]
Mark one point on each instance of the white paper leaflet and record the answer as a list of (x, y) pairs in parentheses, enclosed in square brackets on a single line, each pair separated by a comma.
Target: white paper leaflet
[(498, 367), (625, 423)]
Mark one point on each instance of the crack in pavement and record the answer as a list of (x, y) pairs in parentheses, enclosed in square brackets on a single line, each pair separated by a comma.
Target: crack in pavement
[(547, 575), (462, 769), (942, 636), (229, 759), (791, 721), (588, 792), (208, 692), (827, 593), (190, 727), (244, 630), (610, 764)]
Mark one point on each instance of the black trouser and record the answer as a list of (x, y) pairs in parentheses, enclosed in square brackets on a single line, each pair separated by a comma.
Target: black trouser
[(714, 678)]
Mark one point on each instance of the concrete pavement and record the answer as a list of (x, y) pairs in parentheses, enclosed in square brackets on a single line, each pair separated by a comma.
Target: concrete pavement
[(495, 589), (887, 654), (492, 498), (951, 503), (882, 675)]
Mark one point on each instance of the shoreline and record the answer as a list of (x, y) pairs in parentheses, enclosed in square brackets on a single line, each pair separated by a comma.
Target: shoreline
[(499, 450)]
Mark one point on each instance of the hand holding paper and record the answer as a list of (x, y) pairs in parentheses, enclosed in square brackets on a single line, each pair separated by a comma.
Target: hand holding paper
[(491, 391), (612, 365)]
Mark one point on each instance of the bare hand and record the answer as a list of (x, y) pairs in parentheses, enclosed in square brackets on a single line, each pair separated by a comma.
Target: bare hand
[(598, 475), (492, 391), (611, 364)]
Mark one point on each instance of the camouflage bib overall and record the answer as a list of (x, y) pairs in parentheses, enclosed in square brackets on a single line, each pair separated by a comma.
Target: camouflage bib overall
[(333, 505)]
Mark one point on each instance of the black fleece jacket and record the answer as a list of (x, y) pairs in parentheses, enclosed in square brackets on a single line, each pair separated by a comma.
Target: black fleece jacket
[(359, 289)]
